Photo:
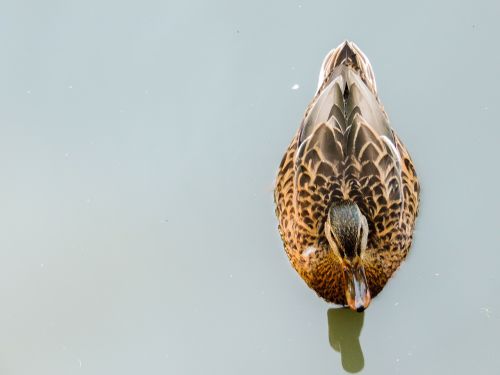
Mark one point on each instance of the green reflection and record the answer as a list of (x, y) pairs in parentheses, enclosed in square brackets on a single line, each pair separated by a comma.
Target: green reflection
[(344, 327)]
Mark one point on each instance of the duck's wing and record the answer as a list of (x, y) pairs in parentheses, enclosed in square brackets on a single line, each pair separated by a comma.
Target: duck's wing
[(411, 193), (373, 175), (308, 174), (318, 161), (373, 164)]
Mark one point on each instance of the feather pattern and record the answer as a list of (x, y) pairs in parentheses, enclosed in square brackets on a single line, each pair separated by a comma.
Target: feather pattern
[(345, 149)]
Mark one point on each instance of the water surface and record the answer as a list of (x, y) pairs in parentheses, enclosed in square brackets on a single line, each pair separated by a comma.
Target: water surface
[(138, 148)]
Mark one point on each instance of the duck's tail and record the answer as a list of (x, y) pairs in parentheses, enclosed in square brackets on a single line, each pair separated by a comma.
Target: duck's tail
[(348, 54)]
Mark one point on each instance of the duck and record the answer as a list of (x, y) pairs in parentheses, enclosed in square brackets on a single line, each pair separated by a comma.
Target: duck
[(346, 192)]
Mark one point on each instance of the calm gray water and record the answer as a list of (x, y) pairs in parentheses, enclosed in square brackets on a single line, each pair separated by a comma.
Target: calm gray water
[(138, 148)]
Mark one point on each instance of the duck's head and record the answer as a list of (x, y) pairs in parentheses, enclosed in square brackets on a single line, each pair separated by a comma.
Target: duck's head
[(346, 230)]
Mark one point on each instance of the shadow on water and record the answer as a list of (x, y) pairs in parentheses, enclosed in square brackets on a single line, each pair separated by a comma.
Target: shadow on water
[(344, 328)]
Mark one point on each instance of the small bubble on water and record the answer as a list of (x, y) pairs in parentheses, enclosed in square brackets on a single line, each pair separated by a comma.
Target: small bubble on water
[(486, 312), (296, 86)]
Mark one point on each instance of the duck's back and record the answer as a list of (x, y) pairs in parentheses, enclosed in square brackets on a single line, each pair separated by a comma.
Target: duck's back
[(345, 149)]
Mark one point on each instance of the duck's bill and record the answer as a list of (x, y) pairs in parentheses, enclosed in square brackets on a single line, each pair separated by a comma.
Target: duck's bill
[(356, 287)]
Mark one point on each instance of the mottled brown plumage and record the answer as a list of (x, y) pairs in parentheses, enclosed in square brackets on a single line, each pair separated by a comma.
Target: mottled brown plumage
[(346, 157)]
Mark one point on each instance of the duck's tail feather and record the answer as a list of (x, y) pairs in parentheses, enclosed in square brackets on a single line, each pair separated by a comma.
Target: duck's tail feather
[(348, 54)]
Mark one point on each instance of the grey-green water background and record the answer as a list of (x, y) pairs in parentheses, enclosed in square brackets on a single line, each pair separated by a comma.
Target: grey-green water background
[(138, 148)]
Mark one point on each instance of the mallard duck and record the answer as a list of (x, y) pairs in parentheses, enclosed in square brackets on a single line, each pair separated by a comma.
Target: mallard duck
[(346, 193)]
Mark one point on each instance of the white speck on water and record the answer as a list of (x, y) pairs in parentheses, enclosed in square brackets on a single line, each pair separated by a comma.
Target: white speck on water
[(300, 5), (230, 275), (396, 304), (70, 87), (436, 274), (486, 312), (42, 265), (66, 155), (64, 348), (410, 354), (485, 108), (397, 360), (88, 200), (296, 86), (28, 92)]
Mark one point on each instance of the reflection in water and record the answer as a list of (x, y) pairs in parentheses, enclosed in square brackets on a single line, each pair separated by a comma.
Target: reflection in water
[(344, 327)]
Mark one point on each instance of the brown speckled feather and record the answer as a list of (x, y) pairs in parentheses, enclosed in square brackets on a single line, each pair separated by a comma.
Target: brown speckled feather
[(346, 150)]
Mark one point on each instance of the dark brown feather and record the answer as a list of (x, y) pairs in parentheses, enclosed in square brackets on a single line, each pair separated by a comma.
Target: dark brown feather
[(345, 150)]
